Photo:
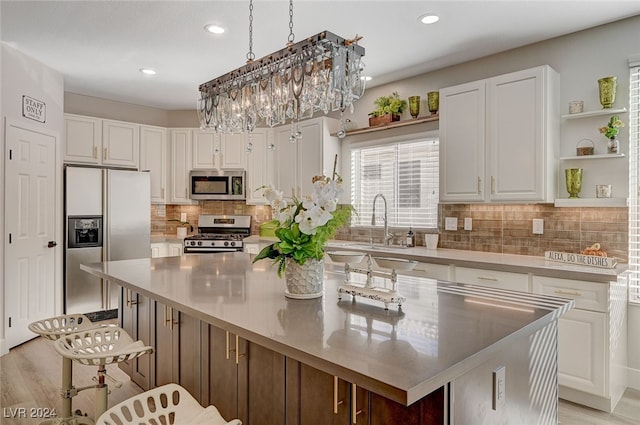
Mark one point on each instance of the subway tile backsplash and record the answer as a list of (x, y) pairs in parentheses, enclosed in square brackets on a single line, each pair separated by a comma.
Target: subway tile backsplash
[(502, 228)]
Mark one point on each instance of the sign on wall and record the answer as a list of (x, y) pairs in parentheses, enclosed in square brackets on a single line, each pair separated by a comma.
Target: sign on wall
[(34, 109)]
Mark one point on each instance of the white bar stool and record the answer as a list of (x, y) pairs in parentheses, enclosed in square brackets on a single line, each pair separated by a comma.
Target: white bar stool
[(54, 328), (100, 347), (168, 404)]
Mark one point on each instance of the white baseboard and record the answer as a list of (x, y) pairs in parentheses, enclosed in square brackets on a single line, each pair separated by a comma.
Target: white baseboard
[(633, 378), (3, 347)]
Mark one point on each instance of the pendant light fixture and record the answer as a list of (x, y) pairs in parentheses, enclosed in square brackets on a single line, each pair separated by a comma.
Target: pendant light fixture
[(321, 73)]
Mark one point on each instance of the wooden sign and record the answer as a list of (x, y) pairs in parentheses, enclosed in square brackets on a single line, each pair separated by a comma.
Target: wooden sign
[(34, 109), (583, 260)]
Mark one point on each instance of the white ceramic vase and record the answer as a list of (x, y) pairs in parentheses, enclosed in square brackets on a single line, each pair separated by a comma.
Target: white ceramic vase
[(304, 281)]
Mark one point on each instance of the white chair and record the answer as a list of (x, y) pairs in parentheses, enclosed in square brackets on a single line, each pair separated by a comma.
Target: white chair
[(54, 328), (100, 347), (168, 404)]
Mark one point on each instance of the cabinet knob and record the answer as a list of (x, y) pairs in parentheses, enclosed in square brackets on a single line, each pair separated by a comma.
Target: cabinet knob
[(52, 244)]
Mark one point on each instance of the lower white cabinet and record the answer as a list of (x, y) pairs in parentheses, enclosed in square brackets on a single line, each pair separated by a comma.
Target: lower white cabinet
[(431, 271), (166, 249), (581, 351), (591, 340), (492, 278)]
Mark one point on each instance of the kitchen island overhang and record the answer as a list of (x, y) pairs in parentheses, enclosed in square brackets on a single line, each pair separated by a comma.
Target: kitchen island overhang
[(443, 331)]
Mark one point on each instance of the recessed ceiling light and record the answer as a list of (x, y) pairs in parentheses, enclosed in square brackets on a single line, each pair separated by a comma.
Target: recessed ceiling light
[(366, 78), (214, 29), (148, 71), (429, 18)]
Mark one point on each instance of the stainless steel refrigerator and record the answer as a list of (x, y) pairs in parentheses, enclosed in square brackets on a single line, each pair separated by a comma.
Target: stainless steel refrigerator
[(108, 215)]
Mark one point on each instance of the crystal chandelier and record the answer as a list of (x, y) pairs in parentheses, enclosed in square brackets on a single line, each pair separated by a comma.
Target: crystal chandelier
[(321, 73)]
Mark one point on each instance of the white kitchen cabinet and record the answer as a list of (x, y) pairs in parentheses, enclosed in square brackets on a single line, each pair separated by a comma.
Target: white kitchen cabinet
[(83, 139), (159, 249), (581, 351), (219, 151), (311, 155), (499, 138), (259, 166), (175, 250), (233, 149), (166, 249), (492, 278), (591, 340), (205, 149), (120, 143), (90, 140), (180, 165), (153, 158), (431, 271)]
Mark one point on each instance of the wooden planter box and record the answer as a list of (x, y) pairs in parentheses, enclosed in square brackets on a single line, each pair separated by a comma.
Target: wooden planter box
[(383, 119)]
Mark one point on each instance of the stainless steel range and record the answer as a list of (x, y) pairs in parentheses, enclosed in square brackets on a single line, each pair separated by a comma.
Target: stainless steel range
[(219, 233)]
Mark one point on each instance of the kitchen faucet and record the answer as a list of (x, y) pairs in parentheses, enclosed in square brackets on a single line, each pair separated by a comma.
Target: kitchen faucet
[(387, 236)]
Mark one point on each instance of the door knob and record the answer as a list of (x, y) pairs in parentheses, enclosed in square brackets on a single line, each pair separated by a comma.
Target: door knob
[(51, 244)]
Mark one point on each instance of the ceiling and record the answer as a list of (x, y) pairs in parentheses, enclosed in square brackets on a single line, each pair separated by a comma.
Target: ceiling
[(99, 46)]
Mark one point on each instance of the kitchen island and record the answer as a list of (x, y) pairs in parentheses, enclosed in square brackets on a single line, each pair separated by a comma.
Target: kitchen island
[(337, 361)]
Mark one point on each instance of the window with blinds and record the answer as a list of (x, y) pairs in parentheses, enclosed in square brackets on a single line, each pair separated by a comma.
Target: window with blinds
[(634, 183), (406, 174)]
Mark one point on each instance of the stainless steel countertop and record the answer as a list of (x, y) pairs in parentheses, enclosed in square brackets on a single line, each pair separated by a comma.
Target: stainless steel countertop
[(442, 331)]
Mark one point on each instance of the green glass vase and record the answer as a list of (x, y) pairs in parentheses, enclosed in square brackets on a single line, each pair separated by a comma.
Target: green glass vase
[(607, 86), (433, 101), (414, 106), (573, 177)]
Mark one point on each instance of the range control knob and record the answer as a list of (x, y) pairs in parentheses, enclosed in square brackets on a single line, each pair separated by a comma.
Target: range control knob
[(226, 243), (233, 243), (199, 243), (193, 243)]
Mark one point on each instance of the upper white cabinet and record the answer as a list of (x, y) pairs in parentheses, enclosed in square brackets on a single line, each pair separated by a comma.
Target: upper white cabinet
[(120, 143), (83, 139), (498, 138), (218, 151), (180, 165), (233, 149), (153, 158), (205, 149), (260, 168), (96, 141), (311, 155)]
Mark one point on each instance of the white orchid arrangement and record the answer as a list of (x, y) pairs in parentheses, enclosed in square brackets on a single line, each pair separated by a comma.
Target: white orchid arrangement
[(304, 226)]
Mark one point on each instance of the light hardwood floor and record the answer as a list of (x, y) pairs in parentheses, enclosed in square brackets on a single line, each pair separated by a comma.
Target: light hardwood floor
[(30, 378)]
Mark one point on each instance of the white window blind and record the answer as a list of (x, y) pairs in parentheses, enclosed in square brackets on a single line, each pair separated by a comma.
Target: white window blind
[(406, 174), (634, 184)]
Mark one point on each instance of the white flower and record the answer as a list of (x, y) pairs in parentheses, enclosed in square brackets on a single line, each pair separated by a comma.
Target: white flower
[(284, 215), (310, 219)]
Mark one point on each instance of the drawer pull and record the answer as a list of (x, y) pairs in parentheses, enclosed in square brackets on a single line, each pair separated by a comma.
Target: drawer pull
[(561, 292), (336, 402), (492, 279), (354, 407), (227, 350)]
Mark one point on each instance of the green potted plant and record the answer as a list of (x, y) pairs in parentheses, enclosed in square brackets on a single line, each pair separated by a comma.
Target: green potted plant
[(388, 109)]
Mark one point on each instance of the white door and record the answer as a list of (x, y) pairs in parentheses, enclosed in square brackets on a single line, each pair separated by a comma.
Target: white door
[(30, 226)]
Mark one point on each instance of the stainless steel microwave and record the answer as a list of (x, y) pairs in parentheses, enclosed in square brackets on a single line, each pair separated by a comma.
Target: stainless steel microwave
[(217, 185)]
